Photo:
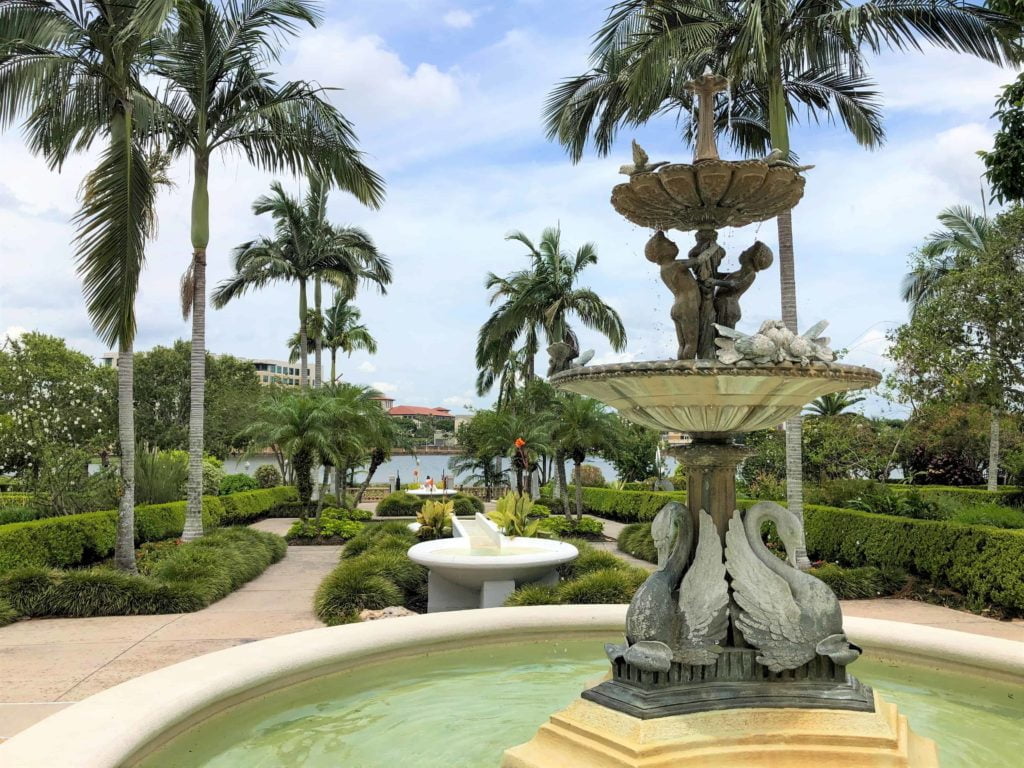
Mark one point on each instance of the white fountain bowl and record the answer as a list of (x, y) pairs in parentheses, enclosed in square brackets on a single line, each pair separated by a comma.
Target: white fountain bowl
[(450, 559)]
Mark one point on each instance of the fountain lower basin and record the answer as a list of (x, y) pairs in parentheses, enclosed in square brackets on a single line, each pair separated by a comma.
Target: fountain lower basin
[(709, 397), (128, 724)]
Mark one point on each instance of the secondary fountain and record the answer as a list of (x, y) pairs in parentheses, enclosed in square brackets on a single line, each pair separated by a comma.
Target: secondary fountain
[(731, 655), (479, 567)]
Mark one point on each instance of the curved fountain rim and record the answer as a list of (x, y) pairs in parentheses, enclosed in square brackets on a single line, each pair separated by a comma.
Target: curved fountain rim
[(555, 553), (813, 370), (120, 725)]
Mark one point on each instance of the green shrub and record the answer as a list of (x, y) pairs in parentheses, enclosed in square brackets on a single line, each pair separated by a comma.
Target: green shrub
[(336, 513), (348, 501), (17, 515), (74, 540), (539, 510), (836, 493), (607, 585), (980, 562), (268, 476), (858, 583), (187, 578), (7, 613), (995, 515), (326, 530), (9, 499), (534, 594), (880, 499), (237, 483), (636, 540), (399, 504), (467, 505), (392, 535), (345, 592), (562, 527), (591, 560)]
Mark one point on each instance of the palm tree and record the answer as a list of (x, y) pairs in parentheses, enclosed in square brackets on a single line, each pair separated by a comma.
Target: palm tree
[(303, 247), (298, 425), (220, 96), (782, 57), (582, 426), (338, 329), (74, 69), (522, 438), (966, 238), (541, 299), (833, 404)]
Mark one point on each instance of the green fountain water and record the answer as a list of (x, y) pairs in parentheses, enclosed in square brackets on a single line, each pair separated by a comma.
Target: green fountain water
[(464, 708)]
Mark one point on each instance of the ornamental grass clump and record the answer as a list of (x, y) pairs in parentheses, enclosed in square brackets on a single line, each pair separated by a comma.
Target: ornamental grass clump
[(375, 572), (175, 580)]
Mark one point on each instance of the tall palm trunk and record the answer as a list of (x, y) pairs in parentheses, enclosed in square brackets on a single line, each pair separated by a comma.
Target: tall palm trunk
[(779, 129), (562, 492), (124, 545), (993, 450), (318, 348), (197, 384), (303, 338), (322, 491), (334, 356), (578, 482)]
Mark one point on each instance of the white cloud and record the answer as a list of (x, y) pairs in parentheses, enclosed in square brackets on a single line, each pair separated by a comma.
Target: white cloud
[(458, 19), (377, 85), (367, 367), (385, 387)]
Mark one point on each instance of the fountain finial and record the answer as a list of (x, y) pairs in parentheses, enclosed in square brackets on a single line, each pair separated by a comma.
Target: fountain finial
[(705, 87)]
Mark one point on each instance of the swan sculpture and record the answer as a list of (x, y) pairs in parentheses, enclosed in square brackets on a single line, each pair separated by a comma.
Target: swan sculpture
[(661, 626), (788, 615)]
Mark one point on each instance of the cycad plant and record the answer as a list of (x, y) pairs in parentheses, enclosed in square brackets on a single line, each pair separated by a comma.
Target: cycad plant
[(220, 96), (74, 70), (304, 246), (784, 58), (833, 404)]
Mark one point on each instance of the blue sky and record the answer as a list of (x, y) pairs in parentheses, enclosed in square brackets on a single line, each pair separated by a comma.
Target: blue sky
[(446, 97)]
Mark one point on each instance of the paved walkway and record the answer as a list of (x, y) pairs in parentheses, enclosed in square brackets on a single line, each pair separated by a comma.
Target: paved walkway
[(45, 664)]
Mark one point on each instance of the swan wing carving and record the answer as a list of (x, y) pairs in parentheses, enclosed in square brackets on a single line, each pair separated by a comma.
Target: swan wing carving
[(703, 600), (769, 616)]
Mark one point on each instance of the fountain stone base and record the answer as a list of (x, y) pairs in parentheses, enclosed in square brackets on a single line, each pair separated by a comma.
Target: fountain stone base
[(588, 734)]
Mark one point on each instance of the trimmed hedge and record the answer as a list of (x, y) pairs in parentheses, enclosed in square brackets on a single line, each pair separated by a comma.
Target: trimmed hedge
[(984, 564), (402, 504), (9, 499), (624, 506), (17, 515), (182, 579), (74, 540)]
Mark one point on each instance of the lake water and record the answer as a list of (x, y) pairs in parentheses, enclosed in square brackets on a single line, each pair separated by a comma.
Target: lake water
[(404, 467)]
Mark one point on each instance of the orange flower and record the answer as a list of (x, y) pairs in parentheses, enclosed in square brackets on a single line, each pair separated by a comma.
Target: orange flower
[(520, 442)]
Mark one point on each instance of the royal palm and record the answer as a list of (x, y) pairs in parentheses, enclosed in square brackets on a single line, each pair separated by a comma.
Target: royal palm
[(74, 68), (304, 246), (783, 57), (220, 96), (541, 299)]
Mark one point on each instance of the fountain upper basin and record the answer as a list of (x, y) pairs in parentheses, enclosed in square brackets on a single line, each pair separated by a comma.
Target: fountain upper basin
[(459, 562), (709, 397)]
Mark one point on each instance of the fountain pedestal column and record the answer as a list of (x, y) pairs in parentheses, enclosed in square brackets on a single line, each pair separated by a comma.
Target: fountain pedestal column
[(711, 478)]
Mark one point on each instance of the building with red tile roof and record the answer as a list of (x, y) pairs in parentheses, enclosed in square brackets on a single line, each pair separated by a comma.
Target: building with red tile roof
[(415, 410)]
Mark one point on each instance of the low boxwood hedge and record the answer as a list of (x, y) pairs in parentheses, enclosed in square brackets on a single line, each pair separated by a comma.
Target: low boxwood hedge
[(402, 504), (11, 499), (74, 540), (181, 579), (623, 506), (984, 564)]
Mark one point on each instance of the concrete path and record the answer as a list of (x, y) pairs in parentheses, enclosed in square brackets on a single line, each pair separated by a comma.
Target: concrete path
[(45, 664)]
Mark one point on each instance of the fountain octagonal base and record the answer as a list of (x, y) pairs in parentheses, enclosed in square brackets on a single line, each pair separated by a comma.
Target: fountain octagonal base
[(588, 734)]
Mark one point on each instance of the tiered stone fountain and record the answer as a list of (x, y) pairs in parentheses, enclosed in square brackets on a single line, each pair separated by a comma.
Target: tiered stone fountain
[(731, 656)]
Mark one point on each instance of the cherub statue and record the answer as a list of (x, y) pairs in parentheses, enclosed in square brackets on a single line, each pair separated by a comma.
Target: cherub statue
[(731, 286), (676, 274), (707, 272)]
